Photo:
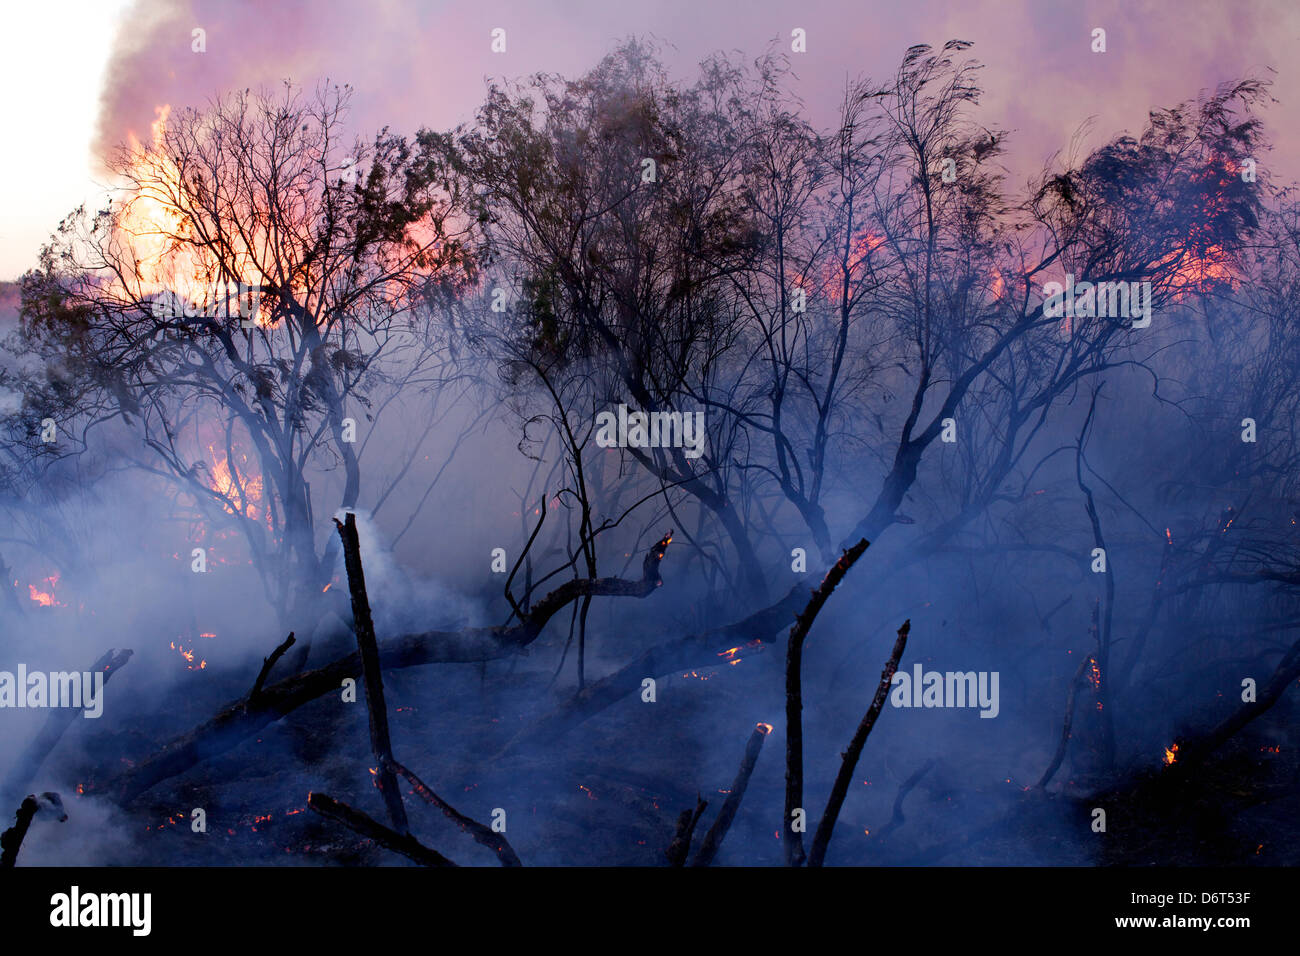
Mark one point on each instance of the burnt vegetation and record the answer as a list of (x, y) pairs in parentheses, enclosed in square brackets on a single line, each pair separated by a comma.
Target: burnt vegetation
[(907, 462)]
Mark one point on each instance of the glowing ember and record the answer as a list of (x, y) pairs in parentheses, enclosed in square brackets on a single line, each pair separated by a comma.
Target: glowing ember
[(189, 657), (1171, 754), (764, 729), (45, 598)]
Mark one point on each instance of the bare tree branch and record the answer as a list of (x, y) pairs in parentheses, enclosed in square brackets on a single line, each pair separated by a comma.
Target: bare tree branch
[(371, 829), (826, 828), (718, 832), (794, 852), (496, 842)]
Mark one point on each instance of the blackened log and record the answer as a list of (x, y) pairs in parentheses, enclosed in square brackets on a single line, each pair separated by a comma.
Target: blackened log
[(794, 852), (826, 828), (496, 842), (683, 653), (12, 839), (718, 832), (380, 741), (372, 829)]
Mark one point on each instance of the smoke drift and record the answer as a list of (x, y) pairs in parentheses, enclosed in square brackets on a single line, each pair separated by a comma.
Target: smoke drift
[(1066, 442)]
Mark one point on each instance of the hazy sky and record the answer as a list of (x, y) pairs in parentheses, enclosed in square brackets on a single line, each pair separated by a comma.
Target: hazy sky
[(79, 75)]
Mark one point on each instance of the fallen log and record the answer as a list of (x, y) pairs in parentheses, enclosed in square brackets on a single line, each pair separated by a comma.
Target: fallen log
[(246, 717), (683, 653)]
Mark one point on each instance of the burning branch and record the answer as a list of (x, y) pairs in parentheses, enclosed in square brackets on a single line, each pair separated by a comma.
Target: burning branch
[(496, 842), (28, 765), (681, 845), (841, 788), (371, 829), (794, 853), (1104, 629), (370, 671), (718, 832)]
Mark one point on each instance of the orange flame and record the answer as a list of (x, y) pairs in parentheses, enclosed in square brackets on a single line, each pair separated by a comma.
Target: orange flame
[(241, 487), (46, 598), (189, 657)]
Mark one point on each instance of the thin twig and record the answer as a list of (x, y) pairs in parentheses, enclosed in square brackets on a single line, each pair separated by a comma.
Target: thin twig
[(268, 663), (1064, 742), (896, 818)]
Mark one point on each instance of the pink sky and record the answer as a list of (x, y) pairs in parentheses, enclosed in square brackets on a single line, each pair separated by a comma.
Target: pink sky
[(423, 63)]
